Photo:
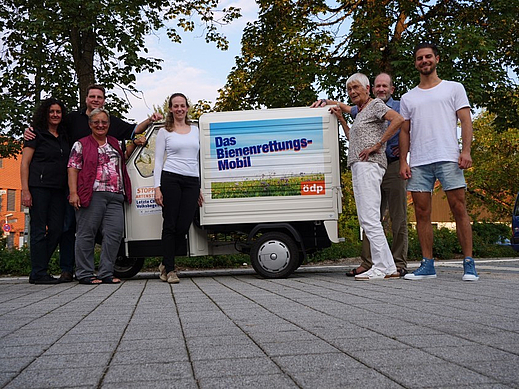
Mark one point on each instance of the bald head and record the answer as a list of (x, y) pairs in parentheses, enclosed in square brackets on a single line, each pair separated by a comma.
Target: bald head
[(383, 87)]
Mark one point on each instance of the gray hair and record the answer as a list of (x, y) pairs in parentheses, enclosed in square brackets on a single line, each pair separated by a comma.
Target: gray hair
[(97, 111), (360, 78)]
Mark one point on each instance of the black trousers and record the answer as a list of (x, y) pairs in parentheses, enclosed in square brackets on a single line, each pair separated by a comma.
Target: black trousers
[(47, 213), (180, 196)]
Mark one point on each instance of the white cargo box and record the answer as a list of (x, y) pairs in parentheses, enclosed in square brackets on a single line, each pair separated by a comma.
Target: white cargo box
[(269, 166)]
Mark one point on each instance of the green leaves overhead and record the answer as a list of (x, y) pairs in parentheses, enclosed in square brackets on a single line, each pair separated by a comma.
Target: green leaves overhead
[(59, 47)]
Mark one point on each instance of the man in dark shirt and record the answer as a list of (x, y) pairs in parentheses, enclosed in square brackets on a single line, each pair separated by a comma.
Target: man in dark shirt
[(76, 124)]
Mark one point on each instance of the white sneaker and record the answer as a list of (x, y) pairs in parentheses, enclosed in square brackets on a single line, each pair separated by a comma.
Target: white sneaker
[(371, 274)]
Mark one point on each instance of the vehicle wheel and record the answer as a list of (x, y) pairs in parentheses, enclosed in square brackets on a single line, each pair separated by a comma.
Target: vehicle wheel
[(127, 267), (274, 255)]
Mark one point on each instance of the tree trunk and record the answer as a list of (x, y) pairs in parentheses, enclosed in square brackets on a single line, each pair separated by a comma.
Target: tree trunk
[(83, 46)]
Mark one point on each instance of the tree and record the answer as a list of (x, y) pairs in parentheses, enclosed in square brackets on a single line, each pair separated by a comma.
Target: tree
[(477, 41), (491, 181), (59, 47), (283, 52)]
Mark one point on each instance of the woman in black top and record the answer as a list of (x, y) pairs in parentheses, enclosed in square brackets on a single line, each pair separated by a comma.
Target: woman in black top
[(44, 181)]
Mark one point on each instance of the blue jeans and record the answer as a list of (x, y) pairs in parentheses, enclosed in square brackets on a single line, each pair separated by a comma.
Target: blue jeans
[(47, 213), (423, 177)]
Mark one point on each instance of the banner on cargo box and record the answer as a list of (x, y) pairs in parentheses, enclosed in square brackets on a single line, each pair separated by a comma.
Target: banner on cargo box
[(275, 157)]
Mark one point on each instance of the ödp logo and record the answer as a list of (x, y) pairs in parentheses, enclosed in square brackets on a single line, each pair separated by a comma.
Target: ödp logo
[(312, 188)]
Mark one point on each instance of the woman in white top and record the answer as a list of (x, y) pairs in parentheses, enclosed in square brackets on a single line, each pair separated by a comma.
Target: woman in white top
[(177, 184)]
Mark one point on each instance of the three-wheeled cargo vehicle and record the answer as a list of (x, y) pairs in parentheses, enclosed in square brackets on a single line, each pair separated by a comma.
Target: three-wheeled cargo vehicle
[(271, 183)]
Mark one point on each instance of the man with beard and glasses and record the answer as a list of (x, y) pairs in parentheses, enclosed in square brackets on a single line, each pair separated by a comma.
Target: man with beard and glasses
[(431, 112)]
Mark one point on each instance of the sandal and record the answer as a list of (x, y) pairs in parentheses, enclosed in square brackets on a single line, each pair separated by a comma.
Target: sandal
[(90, 281), (354, 272), (110, 280)]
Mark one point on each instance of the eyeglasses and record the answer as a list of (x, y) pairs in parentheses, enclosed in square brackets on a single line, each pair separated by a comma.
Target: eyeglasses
[(100, 122)]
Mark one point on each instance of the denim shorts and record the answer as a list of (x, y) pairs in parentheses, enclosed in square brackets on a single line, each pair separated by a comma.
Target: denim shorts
[(448, 173)]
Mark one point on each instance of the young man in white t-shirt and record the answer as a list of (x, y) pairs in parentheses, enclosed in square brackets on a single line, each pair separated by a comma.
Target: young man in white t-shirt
[(431, 112)]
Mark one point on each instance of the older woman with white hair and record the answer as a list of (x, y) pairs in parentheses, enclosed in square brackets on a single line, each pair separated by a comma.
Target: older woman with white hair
[(366, 158), (98, 184)]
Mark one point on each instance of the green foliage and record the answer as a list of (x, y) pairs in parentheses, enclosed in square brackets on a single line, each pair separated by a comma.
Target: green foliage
[(60, 47), (283, 53), (337, 251), (446, 246), (491, 182), (203, 262), (14, 262), (477, 42)]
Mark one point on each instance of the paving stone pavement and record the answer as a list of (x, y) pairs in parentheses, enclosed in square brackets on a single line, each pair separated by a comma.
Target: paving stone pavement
[(233, 329)]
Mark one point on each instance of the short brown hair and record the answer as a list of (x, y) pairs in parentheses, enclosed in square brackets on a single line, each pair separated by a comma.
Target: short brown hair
[(96, 86)]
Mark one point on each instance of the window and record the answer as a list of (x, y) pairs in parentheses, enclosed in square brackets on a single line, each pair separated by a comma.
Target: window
[(145, 161), (1, 163), (11, 200)]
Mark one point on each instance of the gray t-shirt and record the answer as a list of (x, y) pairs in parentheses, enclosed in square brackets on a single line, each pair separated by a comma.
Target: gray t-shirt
[(367, 129)]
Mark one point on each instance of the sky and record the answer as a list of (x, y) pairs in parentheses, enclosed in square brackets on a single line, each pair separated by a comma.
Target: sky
[(193, 67)]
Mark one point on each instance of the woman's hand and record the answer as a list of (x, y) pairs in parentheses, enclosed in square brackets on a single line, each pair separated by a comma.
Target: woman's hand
[(337, 111), (26, 198), (200, 198), (158, 197), (73, 200), (364, 154)]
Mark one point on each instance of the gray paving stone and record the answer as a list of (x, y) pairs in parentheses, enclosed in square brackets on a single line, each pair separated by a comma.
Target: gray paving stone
[(504, 371), (344, 379), (145, 356), (69, 361), (120, 374), (317, 363), (14, 364), (81, 348), (278, 381), (158, 383), (226, 351), (234, 367), (298, 348), (435, 375), (477, 353), (22, 351), (315, 329), (57, 378), (395, 357)]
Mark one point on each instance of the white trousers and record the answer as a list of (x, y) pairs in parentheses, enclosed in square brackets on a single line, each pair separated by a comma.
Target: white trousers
[(367, 178)]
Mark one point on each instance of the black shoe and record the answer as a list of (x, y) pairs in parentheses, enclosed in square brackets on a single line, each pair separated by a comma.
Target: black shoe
[(65, 277), (401, 271), (47, 279), (31, 281)]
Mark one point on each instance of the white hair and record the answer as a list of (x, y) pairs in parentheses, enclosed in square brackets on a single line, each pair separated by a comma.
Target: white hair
[(360, 78)]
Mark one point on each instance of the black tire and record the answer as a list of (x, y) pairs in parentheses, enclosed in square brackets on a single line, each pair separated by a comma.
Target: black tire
[(274, 255), (127, 267)]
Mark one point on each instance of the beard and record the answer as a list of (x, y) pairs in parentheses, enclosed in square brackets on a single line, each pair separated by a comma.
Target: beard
[(429, 71)]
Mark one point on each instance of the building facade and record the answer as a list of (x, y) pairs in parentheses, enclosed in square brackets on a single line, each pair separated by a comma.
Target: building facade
[(13, 216)]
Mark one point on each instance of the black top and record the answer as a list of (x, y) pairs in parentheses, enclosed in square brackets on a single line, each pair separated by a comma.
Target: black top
[(77, 126), (48, 168)]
